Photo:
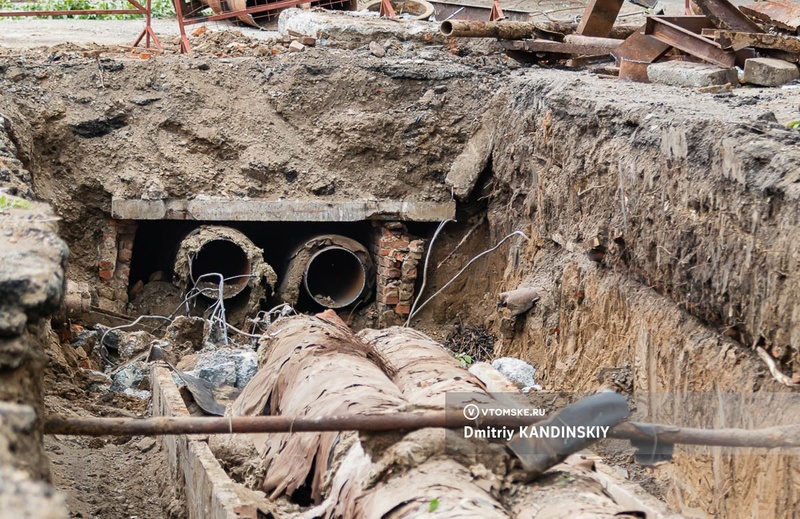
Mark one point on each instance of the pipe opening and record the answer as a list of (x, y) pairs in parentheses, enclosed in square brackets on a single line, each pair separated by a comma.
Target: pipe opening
[(446, 28), (226, 258), (334, 277)]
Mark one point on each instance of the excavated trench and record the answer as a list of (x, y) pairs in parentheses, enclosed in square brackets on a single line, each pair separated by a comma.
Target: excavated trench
[(661, 236)]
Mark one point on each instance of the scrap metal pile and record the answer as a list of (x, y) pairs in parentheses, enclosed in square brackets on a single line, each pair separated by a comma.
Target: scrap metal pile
[(759, 38)]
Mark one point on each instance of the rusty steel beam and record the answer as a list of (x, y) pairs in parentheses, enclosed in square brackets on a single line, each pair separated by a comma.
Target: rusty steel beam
[(689, 42), (639, 48), (783, 15), (740, 40), (692, 23), (598, 18), (725, 15)]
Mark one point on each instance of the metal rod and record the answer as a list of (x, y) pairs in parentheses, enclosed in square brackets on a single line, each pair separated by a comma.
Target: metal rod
[(69, 12), (787, 436)]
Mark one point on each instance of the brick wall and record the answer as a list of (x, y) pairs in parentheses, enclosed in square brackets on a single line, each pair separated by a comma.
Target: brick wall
[(398, 255), (116, 251)]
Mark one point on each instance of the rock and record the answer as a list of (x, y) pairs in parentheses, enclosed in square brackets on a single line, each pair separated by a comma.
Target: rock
[(133, 376), (94, 380), (296, 46), (99, 127), (376, 49), (145, 444), (468, 166), (226, 366), (144, 100), (186, 329), (519, 372), (688, 74), (133, 344), (769, 71)]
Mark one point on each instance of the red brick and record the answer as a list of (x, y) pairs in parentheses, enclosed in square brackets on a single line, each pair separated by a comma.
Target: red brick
[(389, 299), (126, 244), (411, 274), (402, 309), (124, 255), (391, 273), (124, 272), (106, 265), (106, 274)]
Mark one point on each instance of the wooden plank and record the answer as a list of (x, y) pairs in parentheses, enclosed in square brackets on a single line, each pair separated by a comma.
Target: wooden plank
[(599, 17)]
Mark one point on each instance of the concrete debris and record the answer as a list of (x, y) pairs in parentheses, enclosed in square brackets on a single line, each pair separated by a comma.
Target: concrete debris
[(519, 372), (132, 344), (296, 46), (350, 29), (186, 330), (134, 376), (769, 72), (688, 74), (146, 444), (376, 49), (226, 366)]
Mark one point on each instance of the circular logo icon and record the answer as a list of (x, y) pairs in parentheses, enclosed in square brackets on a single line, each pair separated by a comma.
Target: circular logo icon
[(471, 411)]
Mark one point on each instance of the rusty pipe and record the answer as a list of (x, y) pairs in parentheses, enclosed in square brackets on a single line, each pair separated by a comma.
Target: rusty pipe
[(334, 270), (481, 29), (334, 277), (216, 250)]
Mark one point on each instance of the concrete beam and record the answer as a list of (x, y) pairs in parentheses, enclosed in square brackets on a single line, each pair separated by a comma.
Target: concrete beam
[(220, 209)]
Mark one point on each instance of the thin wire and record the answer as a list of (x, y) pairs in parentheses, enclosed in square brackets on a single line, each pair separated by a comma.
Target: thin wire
[(425, 269), (484, 253)]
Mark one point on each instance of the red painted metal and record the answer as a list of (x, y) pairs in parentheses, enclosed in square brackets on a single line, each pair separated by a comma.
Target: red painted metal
[(496, 12), (147, 34)]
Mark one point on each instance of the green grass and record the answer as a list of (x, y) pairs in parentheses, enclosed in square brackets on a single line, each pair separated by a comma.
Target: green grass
[(161, 8), (12, 202)]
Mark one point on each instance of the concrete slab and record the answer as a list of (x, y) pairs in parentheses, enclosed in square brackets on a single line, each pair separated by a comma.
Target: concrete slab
[(688, 74), (769, 71), (343, 27), (217, 209)]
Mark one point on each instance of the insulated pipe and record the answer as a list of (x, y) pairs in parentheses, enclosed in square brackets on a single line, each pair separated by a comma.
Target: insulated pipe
[(334, 270), (220, 250)]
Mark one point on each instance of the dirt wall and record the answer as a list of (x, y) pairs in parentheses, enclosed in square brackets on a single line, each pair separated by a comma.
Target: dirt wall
[(663, 237), (32, 263)]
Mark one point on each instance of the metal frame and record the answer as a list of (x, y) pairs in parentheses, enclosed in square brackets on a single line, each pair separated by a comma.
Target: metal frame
[(689, 42), (147, 34), (185, 19)]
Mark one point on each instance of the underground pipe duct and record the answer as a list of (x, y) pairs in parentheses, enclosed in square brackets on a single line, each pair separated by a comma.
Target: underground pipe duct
[(211, 251), (333, 270)]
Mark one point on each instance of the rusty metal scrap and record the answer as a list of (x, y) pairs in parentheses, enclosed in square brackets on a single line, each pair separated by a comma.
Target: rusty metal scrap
[(725, 15), (640, 48), (740, 40), (599, 17), (572, 44), (497, 29), (689, 42), (782, 14)]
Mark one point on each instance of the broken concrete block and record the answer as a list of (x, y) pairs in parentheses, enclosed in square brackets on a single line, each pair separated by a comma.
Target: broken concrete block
[(296, 46), (376, 49), (688, 74), (769, 71), (226, 366), (467, 167), (519, 372)]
